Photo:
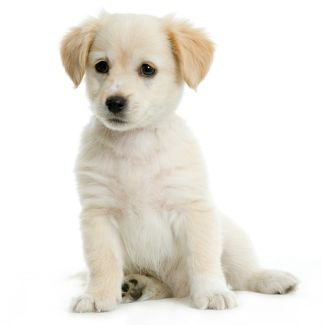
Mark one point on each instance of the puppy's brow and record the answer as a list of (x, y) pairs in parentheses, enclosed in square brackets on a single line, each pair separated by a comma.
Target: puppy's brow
[(152, 60), (97, 56)]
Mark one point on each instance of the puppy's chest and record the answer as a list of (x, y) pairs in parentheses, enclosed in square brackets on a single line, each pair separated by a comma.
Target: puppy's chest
[(139, 185)]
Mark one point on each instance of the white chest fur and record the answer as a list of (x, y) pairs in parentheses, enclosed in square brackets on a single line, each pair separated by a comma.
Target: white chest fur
[(143, 178)]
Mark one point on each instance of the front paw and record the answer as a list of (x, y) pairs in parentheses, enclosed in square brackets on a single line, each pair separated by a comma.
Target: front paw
[(215, 300), (92, 303)]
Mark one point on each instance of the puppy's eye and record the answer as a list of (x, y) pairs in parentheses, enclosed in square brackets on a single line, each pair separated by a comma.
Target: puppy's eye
[(102, 67), (147, 70)]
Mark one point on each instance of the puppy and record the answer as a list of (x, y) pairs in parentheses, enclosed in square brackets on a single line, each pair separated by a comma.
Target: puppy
[(149, 227)]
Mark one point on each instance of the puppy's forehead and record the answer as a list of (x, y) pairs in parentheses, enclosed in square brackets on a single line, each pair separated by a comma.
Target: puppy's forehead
[(132, 36)]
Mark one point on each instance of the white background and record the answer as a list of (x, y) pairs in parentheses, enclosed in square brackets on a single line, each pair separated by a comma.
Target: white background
[(259, 117)]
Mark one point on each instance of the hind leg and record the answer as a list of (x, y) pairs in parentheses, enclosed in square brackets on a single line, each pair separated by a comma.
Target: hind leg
[(142, 287), (241, 267)]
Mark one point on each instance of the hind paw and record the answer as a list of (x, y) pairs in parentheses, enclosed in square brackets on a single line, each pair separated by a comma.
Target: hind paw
[(141, 287), (273, 282), (132, 289)]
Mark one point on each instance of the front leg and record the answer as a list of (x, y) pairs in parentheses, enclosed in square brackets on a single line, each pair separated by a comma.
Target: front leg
[(103, 257), (208, 287)]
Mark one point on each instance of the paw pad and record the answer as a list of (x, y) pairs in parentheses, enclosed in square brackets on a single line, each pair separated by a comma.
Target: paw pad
[(125, 287), (131, 291), (134, 281)]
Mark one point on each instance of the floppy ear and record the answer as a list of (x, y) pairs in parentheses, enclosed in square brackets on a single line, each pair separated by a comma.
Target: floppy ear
[(75, 48), (192, 49)]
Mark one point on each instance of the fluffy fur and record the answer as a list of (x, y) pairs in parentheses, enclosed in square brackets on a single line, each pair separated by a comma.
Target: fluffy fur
[(148, 224)]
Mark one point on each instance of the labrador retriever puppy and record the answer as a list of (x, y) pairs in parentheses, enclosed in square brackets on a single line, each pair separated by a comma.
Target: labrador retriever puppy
[(149, 226)]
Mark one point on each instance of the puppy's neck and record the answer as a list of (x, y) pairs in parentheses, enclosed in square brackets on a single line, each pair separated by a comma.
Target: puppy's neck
[(140, 143)]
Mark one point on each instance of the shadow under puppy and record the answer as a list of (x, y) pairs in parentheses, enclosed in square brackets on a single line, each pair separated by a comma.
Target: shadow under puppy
[(149, 227)]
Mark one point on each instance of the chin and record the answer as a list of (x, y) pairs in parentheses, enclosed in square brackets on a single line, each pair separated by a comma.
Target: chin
[(115, 125)]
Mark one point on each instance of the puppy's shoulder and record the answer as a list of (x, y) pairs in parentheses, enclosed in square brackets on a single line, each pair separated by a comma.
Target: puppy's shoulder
[(94, 140)]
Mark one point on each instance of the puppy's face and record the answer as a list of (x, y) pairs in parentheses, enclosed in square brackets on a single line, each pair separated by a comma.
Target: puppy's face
[(131, 72), (135, 66)]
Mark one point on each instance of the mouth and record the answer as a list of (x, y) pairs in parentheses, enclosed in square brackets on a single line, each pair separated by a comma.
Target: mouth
[(117, 121)]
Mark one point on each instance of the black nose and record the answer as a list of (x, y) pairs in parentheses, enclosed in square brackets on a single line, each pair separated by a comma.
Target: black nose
[(116, 103)]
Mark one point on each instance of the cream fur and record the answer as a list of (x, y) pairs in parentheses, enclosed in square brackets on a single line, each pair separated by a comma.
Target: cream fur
[(143, 187)]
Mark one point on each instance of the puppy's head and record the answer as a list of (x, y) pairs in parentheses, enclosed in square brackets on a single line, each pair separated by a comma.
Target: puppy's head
[(135, 65)]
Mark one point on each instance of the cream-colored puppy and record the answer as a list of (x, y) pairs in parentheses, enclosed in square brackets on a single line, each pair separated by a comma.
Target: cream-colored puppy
[(149, 227)]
